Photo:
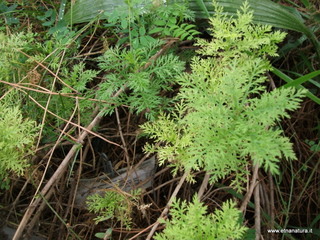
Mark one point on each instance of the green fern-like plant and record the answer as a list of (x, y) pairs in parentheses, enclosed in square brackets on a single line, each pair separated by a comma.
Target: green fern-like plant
[(169, 20), (127, 68), (224, 116), (12, 62), (191, 221), (17, 136), (113, 205), (141, 22)]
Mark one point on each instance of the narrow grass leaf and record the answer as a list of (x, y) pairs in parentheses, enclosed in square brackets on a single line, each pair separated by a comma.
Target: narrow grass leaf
[(203, 7), (286, 78), (62, 9), (85, 10), (316, 220), (302, 79)]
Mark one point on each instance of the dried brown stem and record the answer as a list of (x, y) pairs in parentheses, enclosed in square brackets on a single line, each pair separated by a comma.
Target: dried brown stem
[(47, 69), (75, 124), (166, 210), (49, 92), (124, 144), (204, 185), (272, 215), (257, 211), (38, 213), (252, 186)]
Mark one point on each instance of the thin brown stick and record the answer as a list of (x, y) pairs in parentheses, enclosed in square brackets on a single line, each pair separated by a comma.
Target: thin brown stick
[(124, 144), (77, 125), (160, 52), (166, 210), (7, 92), (49, 92), (139, 233), (204, 185), (51, 153), (272, 214), (252, 186), (257, 211), (38, 213), (46, 68), (15, 202)]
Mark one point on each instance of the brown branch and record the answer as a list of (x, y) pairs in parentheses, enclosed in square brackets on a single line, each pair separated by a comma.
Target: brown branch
[(204, 185), (160, 52), (257, 211), (252, 186), (272, 215), (166, 210), (122, 138), (46, 91), (46, 68), (38, 213), (75, 124)]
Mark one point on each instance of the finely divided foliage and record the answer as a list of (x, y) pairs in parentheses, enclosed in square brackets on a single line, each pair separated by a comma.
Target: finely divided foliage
[(225, 117), (113, 205), (190, 221), (16, 140), (126, 68)]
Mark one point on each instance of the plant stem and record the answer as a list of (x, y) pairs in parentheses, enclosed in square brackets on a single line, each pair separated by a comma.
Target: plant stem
[(257, 212), (166, 210), (252, 186)]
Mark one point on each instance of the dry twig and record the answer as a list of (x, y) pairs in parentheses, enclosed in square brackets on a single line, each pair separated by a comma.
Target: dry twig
[(252, 186), (166, 210), (257, 212)]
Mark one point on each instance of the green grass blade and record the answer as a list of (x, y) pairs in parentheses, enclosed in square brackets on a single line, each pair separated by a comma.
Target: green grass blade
[(62, 9), (286, 78), (315, 221), (265, 12), (86, 10), (203, 7), (302, 79), (306, 3), (315, 83)]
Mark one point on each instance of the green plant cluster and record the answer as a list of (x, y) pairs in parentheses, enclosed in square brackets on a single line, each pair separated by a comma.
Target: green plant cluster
[(135, 69), (19, 63), (170, 21), (191, 221), (113, 205), (12, 61), (7, 11), (225, 116), (17, 137), (126, 69), (140, 22), (22, 54)]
